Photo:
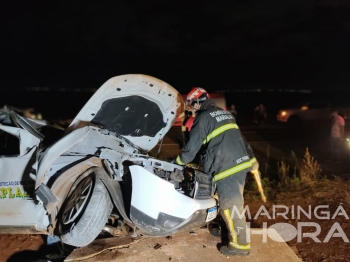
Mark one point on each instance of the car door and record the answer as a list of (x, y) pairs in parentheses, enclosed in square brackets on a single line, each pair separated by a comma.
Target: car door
[(18, 148)]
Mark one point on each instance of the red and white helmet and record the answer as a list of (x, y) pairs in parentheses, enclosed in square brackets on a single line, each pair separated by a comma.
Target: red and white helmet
[(196, 95)]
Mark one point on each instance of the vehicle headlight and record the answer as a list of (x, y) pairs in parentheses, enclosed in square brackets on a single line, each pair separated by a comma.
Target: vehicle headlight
[(283, 113)]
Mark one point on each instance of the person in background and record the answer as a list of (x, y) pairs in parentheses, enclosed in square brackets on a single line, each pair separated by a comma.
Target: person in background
[(337, 135), (233, 111), (260, 114), (224, 155)]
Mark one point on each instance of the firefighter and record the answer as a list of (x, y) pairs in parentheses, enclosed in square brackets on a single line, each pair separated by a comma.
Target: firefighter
[(225, 155)]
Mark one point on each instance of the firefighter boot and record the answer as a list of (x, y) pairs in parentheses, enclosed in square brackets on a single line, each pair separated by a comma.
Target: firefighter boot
[(233, 247)]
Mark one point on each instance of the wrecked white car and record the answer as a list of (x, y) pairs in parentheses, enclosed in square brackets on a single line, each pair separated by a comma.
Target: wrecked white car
[(71, 182)]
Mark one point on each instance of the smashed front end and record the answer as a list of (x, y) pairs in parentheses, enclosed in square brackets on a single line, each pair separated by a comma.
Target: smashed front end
[(167, 198)]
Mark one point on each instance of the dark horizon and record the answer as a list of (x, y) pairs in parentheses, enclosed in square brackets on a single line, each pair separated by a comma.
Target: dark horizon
[(66, 105)]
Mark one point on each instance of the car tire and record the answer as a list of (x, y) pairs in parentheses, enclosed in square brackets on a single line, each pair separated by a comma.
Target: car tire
[(85, 210)]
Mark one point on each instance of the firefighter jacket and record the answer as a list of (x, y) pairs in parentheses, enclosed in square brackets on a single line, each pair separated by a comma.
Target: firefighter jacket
[(216, 136)]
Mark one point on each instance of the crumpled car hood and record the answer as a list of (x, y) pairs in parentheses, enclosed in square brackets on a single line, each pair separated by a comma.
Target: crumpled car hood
[(139, 107)]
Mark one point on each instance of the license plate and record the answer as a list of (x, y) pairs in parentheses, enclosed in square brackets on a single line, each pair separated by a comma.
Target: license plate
[(212, 212)]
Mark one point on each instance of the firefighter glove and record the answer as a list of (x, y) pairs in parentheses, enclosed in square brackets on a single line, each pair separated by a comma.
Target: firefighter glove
[(255, 166)]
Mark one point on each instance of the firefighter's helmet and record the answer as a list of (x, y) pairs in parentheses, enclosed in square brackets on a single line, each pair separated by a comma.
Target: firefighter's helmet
[(196, 95)]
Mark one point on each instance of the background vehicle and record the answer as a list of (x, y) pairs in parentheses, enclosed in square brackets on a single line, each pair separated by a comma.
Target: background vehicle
[(70, 182), (309, 111)]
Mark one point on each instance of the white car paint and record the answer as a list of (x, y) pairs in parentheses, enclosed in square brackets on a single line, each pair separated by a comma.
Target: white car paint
[(153, 195), (165, 96)]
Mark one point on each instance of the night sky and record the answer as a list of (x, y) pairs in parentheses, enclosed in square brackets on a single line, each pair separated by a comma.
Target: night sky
[(218, 45)]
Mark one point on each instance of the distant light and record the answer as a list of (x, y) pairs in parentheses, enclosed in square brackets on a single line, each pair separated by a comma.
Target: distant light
[(38, 88)]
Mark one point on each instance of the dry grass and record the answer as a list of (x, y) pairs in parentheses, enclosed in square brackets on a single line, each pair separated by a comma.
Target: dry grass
[(283, 174), (292, 172), (347, 198), (309, 170)]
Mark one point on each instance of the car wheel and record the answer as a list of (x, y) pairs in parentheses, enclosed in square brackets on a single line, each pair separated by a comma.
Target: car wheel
[(85, 210)]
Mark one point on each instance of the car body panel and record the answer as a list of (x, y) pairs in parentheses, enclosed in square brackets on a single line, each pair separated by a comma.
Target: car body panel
[(153, 196), (26, 140), (139, 107), (17, 197), (18, 207), (56, 150), (147, 187)]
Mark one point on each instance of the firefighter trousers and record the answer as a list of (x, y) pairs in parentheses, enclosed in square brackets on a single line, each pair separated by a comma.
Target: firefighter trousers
[(230, 191)]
